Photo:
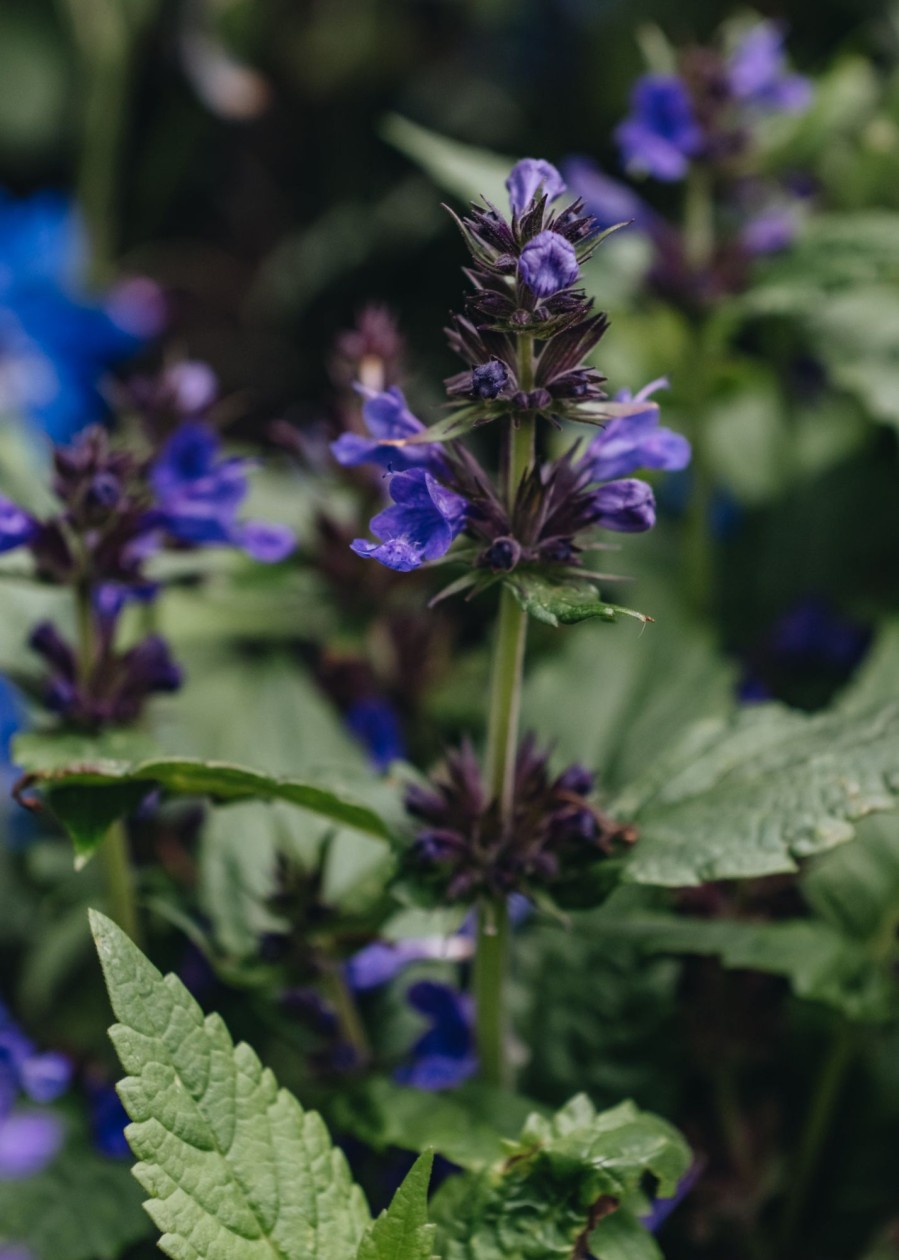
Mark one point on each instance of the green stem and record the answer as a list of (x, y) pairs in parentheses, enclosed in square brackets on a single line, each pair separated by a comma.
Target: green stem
[(492, 945), (351, 1026), (699, 218), (815, 1131), (119, 878)]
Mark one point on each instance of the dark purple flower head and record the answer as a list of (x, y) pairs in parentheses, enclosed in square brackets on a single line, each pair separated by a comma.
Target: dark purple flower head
[(387, 417), (548, 264), (198, 495), (488, 380), (627, 443), (445, 1056), (627, 507), (758, 75), (420, 527), (660, 134), (529, 177)]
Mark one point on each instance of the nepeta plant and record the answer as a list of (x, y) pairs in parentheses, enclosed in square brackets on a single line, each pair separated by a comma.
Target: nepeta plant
[(524, 337)]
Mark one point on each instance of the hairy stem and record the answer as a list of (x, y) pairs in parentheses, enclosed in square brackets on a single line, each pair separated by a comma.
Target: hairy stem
[(492, 947)]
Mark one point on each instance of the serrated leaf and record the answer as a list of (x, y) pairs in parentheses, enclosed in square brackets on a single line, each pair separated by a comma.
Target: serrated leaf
[(235, 1168), (82, 1207), (751, 796), (563, 603), (543, 1201), (88, 798), (402, 1231)]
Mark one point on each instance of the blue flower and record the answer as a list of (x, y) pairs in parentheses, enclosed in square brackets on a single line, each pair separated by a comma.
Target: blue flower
[(387, 417), (17, 528), (661, 1209), (488, 380), (529, 177), (608, 200), (55, 344), (445, 1056), (548, 264), (28, 1139), (628, 506), (420, 527), (108, 1119), (660, 135), (198, 495), (758, 75), (375, 723), (637, 441), (770, 231)]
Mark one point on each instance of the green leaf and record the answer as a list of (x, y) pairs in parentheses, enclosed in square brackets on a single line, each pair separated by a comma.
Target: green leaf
[(82, 1207), (88, 798), (620, 1236), (462, 169), (751, 796), (402, 1231), (234, 1167), (563, 603), (856, 888), (542, 1201)]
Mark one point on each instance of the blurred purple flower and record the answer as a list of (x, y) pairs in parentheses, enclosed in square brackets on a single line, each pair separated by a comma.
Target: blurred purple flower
[(387, 417), (28, 1142), (661, 1209), (28, 1139), (445, 1056), (421, 525), (17, 528), (758, 75), (56, 343), (660, 134), (608, 200), (383, 961), (108, 1119), (770, 231), (375, 723), (548, 264), (198, 495), (530, 176)]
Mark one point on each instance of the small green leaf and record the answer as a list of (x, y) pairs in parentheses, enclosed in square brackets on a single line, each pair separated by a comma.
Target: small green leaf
[(620, 1236), (541, 1202), (87, 798), (752, 795), (563, 603), (402, 1231), (462, 169), (234, 1167)]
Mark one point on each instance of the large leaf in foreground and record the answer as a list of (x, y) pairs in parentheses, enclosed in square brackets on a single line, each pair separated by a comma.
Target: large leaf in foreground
[(752, 795), (557, 1182), (88, 798), (234, 1167)]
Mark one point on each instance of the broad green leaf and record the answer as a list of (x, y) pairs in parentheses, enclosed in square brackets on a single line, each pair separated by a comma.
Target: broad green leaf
[(235, 1168), (856, 888), (752, 795), (54, 750), (543, 1201), (620, 1236), (402, 1231), (878, 675), (82, 1207), (468, 1126), (563, 603), (821, 963), (88, 798), (462, 169)]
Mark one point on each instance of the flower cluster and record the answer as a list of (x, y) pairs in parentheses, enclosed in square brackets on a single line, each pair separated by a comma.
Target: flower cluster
[(524, 275), (116, 511), (56, 343), (29, 1139), (704, 118), (466, 847)]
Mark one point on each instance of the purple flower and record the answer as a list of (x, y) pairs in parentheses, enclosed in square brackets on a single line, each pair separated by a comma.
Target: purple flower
[(628, 506), (548, 264), (383, 961), (28, 1139), (661, 1209), (375, 723), (770, 231), (198, 495), (421, 526), (608, 200), (28, 1142), (445, 1056), (529, 177), (488, 380), (17, 528), (758, 75), (108, 1119), (636, 441), (387, 417), (660, 134)]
